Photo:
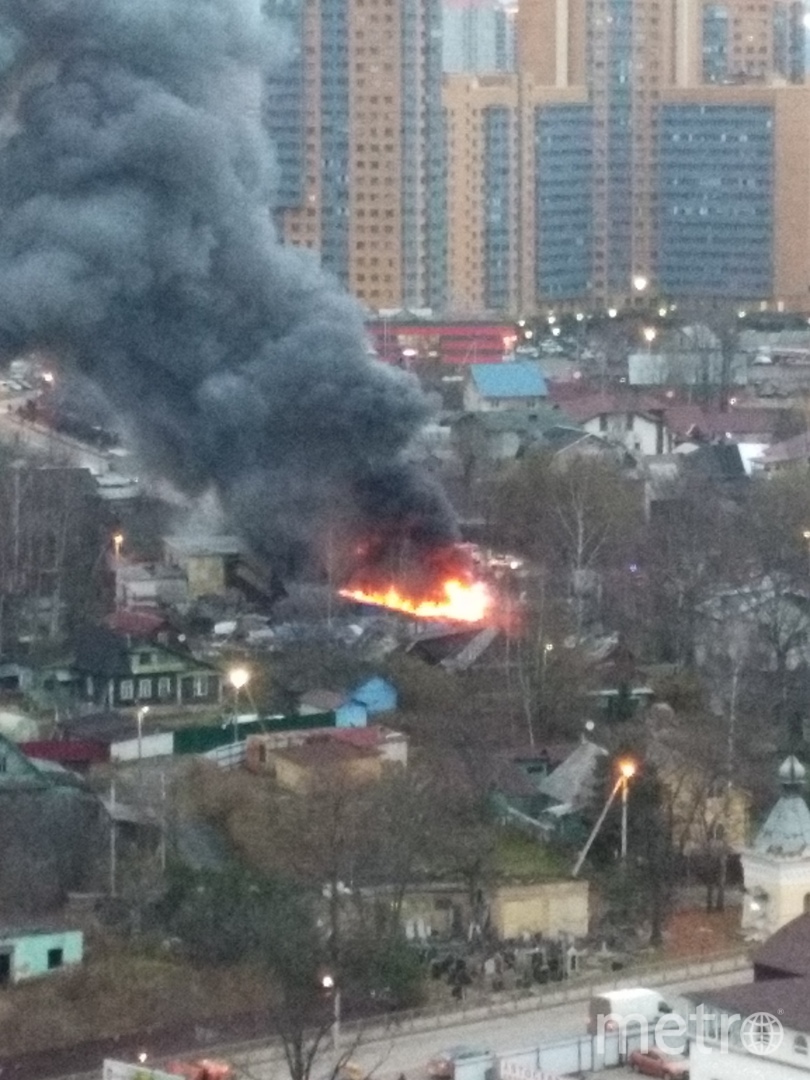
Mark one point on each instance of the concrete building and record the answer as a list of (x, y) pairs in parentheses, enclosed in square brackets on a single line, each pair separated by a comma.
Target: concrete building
[(776, 867), (641, 151), (29, 951), (357, 121)]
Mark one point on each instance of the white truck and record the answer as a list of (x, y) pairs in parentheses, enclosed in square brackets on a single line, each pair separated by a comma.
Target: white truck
[(615, 1009)]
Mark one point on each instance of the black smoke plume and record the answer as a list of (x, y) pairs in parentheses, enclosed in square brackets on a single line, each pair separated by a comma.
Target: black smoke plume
[(136, 242)]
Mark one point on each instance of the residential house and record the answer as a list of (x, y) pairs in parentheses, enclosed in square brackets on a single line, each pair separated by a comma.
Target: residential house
[(759, 1030), (518, 384), (52, 831), (352, 708), (786, 454), (30, 951), (214, 565), (503, 435), (127, 671), (148, 585), (635, 424)]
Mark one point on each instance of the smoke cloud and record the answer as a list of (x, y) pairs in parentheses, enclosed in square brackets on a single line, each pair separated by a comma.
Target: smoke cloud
[(136, 241)]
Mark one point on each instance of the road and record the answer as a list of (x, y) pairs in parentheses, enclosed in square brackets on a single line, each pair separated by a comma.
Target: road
[(388, 1054)]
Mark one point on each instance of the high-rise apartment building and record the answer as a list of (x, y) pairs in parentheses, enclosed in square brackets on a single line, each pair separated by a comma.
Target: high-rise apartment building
[(478, 36), (356, 118), (643, 148)]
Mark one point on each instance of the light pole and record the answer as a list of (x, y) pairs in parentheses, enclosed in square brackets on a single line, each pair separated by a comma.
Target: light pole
[(238, 677), (627, 770), (144, 709), (328, 982), (806, 535)]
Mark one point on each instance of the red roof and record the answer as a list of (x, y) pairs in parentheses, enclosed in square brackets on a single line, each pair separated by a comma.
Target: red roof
[(137, 623), (693, 419), (67, 751)]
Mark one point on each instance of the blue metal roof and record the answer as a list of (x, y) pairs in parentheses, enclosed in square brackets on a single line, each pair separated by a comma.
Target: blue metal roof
[(511, 379)]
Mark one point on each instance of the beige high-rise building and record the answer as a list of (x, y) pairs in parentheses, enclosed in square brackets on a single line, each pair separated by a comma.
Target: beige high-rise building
[(644, 149), (357, 123)]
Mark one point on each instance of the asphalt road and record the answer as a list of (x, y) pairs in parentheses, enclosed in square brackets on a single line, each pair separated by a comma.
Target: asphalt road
[(388, 1055)]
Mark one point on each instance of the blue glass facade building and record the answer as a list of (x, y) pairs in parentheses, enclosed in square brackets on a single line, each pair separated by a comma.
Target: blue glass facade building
[(563, 200), (715, 200)]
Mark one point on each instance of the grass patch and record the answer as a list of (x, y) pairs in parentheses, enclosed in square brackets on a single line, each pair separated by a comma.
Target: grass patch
[(521, 858)]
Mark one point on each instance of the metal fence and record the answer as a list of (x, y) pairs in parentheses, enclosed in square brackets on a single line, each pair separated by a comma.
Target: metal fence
[(560, 1055)]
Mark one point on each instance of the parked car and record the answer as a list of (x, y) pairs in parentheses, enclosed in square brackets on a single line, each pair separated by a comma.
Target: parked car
[(443, 1065), (653, 1063)]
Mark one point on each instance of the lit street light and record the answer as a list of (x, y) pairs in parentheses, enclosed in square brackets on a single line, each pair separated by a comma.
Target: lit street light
[(118, 540), (627, 770), (640, 283), (238, 677), (144, 709), (328, 983)]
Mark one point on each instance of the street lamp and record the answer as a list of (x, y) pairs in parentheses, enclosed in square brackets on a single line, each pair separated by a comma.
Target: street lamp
[(118, 540), (144, 709), (627, 770), (238, 677), (329, 983), (640, 282)]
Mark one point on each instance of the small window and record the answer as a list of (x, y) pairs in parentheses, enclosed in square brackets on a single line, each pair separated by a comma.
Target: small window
[(145, 657), (800, 1045), (127, 690), (164, 687), (144, 688), (629, 421), (603, 425), (55, 958), (200, 686), (262, 754)]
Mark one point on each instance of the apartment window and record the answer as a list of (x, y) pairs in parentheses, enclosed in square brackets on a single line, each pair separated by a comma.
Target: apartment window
[(144, 688), (200, 686), (126, 691)]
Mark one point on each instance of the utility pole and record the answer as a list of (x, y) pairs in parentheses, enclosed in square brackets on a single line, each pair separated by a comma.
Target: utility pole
[(113, 831)]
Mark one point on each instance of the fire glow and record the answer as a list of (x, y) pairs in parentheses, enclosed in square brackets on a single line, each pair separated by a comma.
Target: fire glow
[(456, 600)]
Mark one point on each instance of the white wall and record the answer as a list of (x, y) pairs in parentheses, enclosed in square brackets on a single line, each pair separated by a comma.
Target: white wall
[(157, 745), (641, 438), (707, 1063)]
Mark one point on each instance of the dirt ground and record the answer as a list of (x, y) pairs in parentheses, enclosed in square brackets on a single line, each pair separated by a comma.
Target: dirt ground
[(696, 932)]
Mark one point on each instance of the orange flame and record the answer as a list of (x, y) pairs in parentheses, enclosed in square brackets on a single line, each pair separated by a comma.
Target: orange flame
[(458, 601)]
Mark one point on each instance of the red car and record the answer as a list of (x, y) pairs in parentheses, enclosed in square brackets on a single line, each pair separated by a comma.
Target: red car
[(654, 1063)]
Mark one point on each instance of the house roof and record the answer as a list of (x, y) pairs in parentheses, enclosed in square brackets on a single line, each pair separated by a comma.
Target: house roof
[(572, 781), (795, 449), (316, 753), (788, 950), (694, 420), (142, 624), (515, 379), (789, 999), (587, 406), (324, 700)]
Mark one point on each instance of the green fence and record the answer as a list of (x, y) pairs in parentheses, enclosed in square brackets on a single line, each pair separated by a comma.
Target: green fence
[(198, 740)]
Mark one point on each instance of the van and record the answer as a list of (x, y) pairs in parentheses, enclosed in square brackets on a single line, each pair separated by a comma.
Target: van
[(610, 1010)]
